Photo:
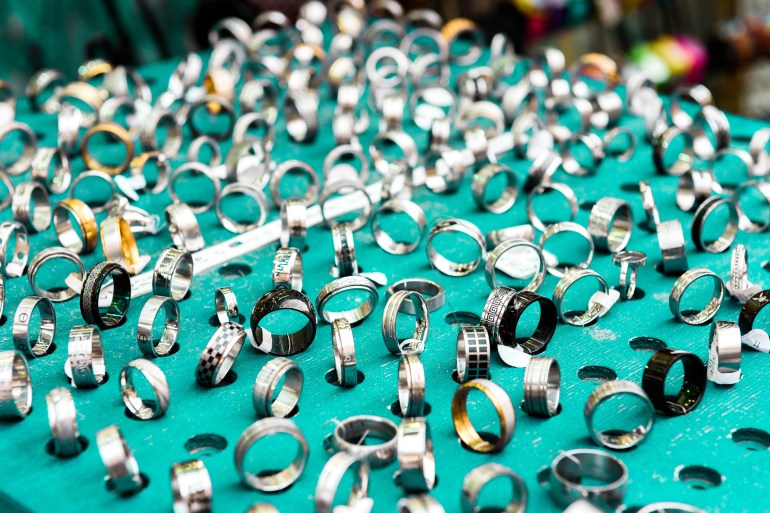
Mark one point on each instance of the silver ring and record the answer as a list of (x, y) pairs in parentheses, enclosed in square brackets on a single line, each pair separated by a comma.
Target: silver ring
[(479, 186), (31, 206), (287, 269), (267, 402), (681, 285), (194, 150), (226, 305), (629, 262), (191, 487), (571, 164), (516, 244), (144, 329), (139, 407), (611, 224), (563, 189), (614, 438), (416, 343), (746, 223), (343, 346), (758, 151), (271, 481), (195, 168), (416, 461), (44, 256), (60, 181), (344, 187), (101, 175), (405, 143), (173, 274), (214, 105), (672, 246), (724, 363), (571, 468), (16, 232), (710, 119), (660, 152), (334, 164), (728, 235), (612, 136), (123, 475), (739, 274), (652, 218), (556, 228), (345, 263), (592, 312), (245, 189), (411, 386), (294, 167), (432, 292), (259, 96), (257, 122), (162, 164), (670, 507), (45, 80), (293, 223), (62, 418), (350, 433), (736, 155), (398, 206), (300, 109), (45, 332), (475, 481), (6, 181), (542, 387), (220, 354), (248, 162), (15, 386), (29, 141), (331, 476), (496, 312), (698, 94), (472, 353), (81, 235), (85, 358), (184, 228), (148, 133), (451, 225), (340, 286), (694, 188)]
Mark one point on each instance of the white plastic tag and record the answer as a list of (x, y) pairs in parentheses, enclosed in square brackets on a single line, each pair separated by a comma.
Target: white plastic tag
[(513, 357), (743, 295), (362, 505), (522, 263), (607, 301), (757, 339)]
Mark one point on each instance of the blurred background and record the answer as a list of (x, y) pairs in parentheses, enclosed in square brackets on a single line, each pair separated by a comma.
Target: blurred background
[(724, 44)]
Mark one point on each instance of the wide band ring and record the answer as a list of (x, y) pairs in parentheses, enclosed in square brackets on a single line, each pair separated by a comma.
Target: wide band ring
[(672, 246), (751, 309), (560, 188), (173, 274), (45, 332), (31, 206), (542, 387), (728, 235), (592, 312), (284, 344), (343, 346), (432, 292), (567, 226), (293, 223), (16, 232), (266, 402), (300, 110), (15, 386), (70, 209), (117, 132), (459, 226), (724, 363), (473, 353), (618, 439), (343, 285), (475, 481), (332, 475), (60, 181), (693, 385), (141, 408), (661, 155), (123, 475), (58, 294), (481, 181), (287, 269), (411, 386), (62, 418), (398, 206), (85, 358), (416, 461), (572, 471), (148, 134), (191, 487), (518, 245), (611, 224), (349, 437), (184, 228), (682, 283), (546, 324), (219, 354), (144, 329), (119, 243), (497, 315), (416, 343), (463, 425)]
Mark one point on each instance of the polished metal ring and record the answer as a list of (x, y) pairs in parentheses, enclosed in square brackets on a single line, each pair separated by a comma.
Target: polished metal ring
[(344, 285), (349, 436), (244, 189), (343, 346), (432, 292), (81, 239), (519, 247), (287, 269), (268, 398), (226, 305), (219, 354), (22, 326), (745, 222), (411, 386), (589, 474), (15, 385), (144, 329), (13, 237), (575, 228), (60, 180), (85, 357), (293, 223), (503, 407), (629, 263), (611, 224), (352, 191), (416, 461), (672, 246), (560, 188), (592, 312), (398, 206), (123, 475), (727, 236), (415, 344), (62, 418), (184, 228), (31, 206), (191, 487), (332, 475), (542, 387), (290, 167), (345, 263), (101, 176), (173, 274), (140, 407), (683, 283), (453, 225), (618, 439), (475, 481), (194, 168), (481, 181), (58, 294)]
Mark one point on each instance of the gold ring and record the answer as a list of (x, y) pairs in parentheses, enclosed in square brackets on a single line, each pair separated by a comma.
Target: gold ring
[(119, 243), (119, 133), (464, 426), (66, 233)]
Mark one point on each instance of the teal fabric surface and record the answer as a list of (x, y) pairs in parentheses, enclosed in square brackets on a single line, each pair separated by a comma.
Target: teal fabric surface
[(43, 483)]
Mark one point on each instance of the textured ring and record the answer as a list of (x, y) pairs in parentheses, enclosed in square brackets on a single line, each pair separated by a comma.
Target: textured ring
[(497, 315), (350, 433), (22, 327), (271, 401), (191, 487), (219, 354), (593, 311), (141, 408), (287, 269), (343, 285), (58, 294), (473, 353), (411, 386), (345, 263), (611, 224), (173, 274), (475, 481), (343, 346), (283, 344), (462, 422), (144, 329), (415, 343), (85, 358), (693, 385), (542, 387), (682, 283), (293, 223), (618, 439), (15, 386), (226, 305), (416, 461)]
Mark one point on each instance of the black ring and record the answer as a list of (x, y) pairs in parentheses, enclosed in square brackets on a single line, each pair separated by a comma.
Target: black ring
[(751, 309), (546, 326), (121, 296), (693, 386), (284, 344)]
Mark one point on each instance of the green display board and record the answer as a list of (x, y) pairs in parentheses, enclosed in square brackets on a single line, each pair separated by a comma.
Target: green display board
[(40, 482)]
